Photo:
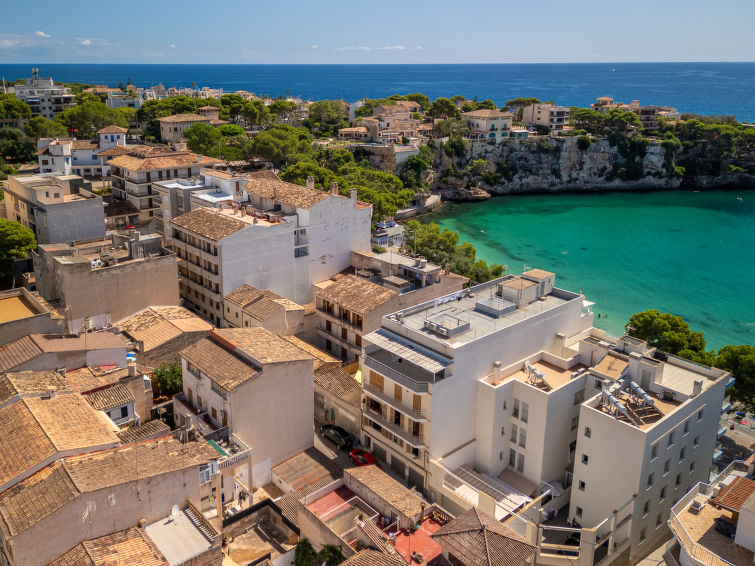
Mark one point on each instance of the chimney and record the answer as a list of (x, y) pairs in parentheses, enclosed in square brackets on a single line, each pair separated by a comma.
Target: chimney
[(497, 371), (51, 392), (333, 188), (697, 387), (132, 369), (353, 195), (243, 211), (310, 182), (447, 268), (275, 193)]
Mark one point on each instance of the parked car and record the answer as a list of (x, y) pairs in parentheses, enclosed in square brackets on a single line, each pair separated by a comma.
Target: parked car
[(338, 436), (362, 458)]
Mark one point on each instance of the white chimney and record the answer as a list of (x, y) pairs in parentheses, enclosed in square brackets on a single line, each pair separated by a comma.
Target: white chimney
[(353, 195), (333, 188), (132, 369), (697, 387), (51, 392), (275, 193), (497, 371), (310, 182)]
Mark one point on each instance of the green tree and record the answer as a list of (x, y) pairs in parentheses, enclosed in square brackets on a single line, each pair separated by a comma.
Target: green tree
[(456, 146), (16, 146), (419, 98), (620, 120), (234, 104), (327, 116), (90, 116), (281, 145), (304, 555), (444, 108), (167, 380), (16, 242), (229, 130), (447, 128), (584, 142), (517, 105), (282, 109), (41, 127), (12, 107), (667, 332), (740, 362), (203, 138)]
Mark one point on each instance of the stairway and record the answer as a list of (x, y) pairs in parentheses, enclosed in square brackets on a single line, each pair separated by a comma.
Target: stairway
[(209, 534)]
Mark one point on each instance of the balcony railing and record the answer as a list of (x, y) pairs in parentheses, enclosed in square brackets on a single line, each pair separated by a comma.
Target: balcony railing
[(395, 429), (397, 376), (393, 402)]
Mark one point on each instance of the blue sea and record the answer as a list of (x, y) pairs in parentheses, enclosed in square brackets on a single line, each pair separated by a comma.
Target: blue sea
[(704, 88)]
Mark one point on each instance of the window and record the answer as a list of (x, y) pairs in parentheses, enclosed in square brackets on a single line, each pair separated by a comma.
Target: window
[(686, 427), (700, 415), (520, 464), (579, 396), (328, 326), (503, 431), (515, 412), (650, 480), (696, 441), (204, 474), (575, 422), (692, 466), (658, 521), (643, 535), (514, 433), (588, 432), (667, 466), (645, 508), (344, 333), (662, 495), (581, 485), (358, 340), (512, 458), (670, 440), (682, 454), (678, 480), (585, 459), (124, 412), (522, 438), (578, 511), (525, 412), (654, 452), (598, 384)]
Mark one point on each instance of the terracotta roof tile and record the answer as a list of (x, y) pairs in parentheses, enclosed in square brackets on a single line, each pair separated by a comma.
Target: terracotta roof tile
[(177, 118), (30, 383), (337, 381), (476, 539), (371, 557), (262, 345), (538, 273), (518, 283), (84, 144), (148, 430), (209, 224), (246, 294), (484, 113), (389, 490), (130, 546), (110, 398), (83, 380), (112, 130), (132, 162), (734, 495), (356, 294), (18, 352), (321, 358), (272, 187), (223, 367), (155, 326)]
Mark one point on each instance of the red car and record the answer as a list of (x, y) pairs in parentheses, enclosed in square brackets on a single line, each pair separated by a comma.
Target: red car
[(362, 457)]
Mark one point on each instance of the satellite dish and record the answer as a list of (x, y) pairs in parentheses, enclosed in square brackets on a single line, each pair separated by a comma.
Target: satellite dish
[(174, 512)]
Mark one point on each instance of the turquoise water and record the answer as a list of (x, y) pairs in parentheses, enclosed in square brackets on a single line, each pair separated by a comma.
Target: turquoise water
[(688, 253)]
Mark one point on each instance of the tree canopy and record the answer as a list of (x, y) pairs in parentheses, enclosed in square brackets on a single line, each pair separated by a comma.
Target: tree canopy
[(444, 108), (16, 146), (327, 116), (305, 555), (12, 107), (15, 242), (90, 116), (41, 127), (282, 145), (167, 380)]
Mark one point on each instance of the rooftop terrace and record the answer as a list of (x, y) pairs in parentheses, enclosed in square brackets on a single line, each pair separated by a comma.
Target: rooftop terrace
[(546, 377)]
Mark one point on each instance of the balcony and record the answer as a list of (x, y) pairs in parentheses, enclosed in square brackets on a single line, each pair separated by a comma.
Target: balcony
[(231, 449), (340, 320), (376, 393), (410, 376), (384, 423)]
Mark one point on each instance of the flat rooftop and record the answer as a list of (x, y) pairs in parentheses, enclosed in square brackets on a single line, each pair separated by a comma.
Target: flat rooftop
[(554, 378), (639, 415), (701, 528), (177, 537), (15, 308), (462, 308)]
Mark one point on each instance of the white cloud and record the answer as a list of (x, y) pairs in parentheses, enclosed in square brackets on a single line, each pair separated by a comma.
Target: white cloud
[(419, 48), (41, 34), (352, 48), (391, 48), (172, 45), (86, 42), (9, 43), (314, 46)]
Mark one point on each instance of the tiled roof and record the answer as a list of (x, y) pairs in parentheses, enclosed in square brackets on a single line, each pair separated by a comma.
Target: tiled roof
[(155, 326), (19, 351), (222, 366), (262, 345), (734, 495), (271, 187), (289, 503), (112, 130), (485, 114), (209, 224), (110, 398), (90, 378), (30, 383), (130, 546), (51, 488), (35, 429), (246, 294), (389, 490), (148, 430), (538, 273), (338, 382), (139, 150), (476, 539), (356, 294), (116, 150), (321, 358), (165, 161), (306, 468), (259, 304), (84, 144), (85, 341), (176, 118), (518, 283), (371, 557)]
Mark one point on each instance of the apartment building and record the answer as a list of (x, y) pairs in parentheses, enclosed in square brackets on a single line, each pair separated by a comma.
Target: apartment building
[(58, 208), (350, 306), (45, 97), (546, 114), (247, 307), (133, 174), (648, 114), (714, 522), (172, 127), (245, 380), (100, 282), (68, 156), (86, 496), (489, 124), (284, 238)]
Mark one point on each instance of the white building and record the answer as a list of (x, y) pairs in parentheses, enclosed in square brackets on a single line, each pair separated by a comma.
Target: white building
[(500, 393), (43, 95), (285, 238), (489, 124), (547, 114), (79, 157)]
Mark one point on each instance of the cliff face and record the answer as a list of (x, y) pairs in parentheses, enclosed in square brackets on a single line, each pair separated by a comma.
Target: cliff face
[(559, 164)]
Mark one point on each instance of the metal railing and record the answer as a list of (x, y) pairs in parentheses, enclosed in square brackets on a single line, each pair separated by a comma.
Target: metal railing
[(395, 429), (393, 402), (395, 375), (699, 553)]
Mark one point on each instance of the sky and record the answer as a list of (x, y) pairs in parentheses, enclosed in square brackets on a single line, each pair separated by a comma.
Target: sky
[(383, 31)]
